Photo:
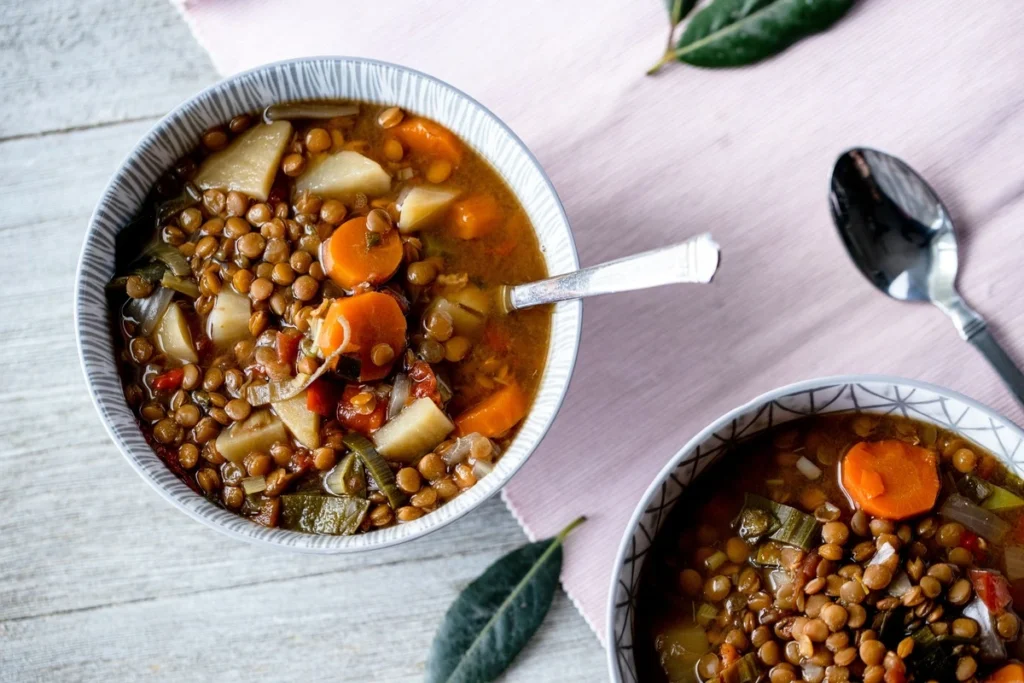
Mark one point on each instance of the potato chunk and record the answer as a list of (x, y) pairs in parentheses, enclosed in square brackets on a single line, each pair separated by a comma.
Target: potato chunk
[(173, 337), (249, 163), (302, 422), (228, 322), (258, 432), (424, 205), (342, 175)]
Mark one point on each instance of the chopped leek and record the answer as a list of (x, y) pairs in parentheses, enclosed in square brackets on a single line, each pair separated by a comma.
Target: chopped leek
[(1001, 499), (253, 485), (169, 256), (746, 669), (186, 287), (347, 478), (308, 110), (315, 514), (715, 560), (706, 614), (791, 526), (377, 467)]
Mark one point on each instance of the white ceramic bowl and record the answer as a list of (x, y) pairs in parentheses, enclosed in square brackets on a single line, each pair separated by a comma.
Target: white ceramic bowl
[(307, 79), (850, 394)]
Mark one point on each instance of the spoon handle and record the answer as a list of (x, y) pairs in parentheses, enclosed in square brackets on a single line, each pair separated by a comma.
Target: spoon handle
[(1003, 364), (972, 328), (694, 260)]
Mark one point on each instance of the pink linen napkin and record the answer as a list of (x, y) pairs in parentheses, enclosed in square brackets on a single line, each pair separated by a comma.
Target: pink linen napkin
[(746, 154)]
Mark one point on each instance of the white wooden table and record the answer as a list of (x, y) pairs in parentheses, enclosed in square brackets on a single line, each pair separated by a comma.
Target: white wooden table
[(99, 578)]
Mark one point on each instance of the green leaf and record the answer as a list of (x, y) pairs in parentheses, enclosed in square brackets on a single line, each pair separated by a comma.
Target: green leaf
[(739, 32), (678, 9), (497, 614)]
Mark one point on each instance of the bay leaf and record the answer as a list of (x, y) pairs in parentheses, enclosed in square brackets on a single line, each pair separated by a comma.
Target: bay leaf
[(739, 32), (497, 614), (678, 9)]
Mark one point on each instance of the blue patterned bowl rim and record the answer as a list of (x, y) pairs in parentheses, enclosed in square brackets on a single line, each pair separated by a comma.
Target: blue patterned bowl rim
[(302, 79), (758, 416)]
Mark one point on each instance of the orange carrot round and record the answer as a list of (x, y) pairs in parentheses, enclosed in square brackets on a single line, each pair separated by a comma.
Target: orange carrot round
[(891, 479), (474, 216), (494, 415), (429, 139), (1011, 673), (372, 318), (351, 257)]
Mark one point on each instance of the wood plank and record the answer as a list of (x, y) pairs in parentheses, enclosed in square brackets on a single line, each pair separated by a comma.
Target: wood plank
[(79, 63), (361, 624)]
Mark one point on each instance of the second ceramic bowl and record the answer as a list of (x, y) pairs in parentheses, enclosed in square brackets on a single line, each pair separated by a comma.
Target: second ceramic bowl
[(342, 78), (847, 394)]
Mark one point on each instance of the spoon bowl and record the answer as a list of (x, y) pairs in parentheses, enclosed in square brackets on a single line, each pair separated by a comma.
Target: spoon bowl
[(901, 237)]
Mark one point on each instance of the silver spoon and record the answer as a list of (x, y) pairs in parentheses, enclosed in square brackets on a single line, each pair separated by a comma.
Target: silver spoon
[(693, 261), (901, 237)]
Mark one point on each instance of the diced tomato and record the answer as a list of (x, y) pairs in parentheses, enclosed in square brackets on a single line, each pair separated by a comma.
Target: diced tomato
[(424, 382), (288, 346), (970, 541), (991, 588), (322, 397), (170, 380), (355, 421)]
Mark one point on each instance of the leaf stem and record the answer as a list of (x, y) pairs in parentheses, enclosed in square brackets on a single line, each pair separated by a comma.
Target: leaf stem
[(572, 525), (669, 56)]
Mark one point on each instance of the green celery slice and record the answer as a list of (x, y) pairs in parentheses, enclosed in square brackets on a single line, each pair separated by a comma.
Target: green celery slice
[(317, 514), (377, 466)]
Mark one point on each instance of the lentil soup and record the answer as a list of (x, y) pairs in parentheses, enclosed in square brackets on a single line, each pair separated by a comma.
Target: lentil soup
[(839, 548), (306, 320)]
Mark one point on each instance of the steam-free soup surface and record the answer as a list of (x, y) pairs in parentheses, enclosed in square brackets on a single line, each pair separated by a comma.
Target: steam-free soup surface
[(770, 569), (307, 319)]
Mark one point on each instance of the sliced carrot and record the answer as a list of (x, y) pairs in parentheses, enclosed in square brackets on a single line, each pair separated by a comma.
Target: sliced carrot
[(428, 138), (353, 255), (372, 318), (891, 479), (494, 415), (1011, 673), (473, 217)]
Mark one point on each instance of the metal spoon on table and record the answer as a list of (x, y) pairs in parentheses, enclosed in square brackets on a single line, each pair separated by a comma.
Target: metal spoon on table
[(693, 261), (901, 237)]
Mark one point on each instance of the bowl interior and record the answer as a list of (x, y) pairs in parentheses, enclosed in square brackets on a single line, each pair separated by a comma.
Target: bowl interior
[(834, 395), (305, 79)]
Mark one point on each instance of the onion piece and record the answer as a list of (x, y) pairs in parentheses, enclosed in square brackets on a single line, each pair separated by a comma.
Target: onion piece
[(986, 524), (399, 394), (1013, 556), (991, 644), (465, 446), (883, 554), (899, 585), (808, 468), (481, 468), (148, 312), (308, 110)]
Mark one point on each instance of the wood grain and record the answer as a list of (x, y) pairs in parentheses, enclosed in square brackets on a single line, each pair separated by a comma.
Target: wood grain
[(101, 579)]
